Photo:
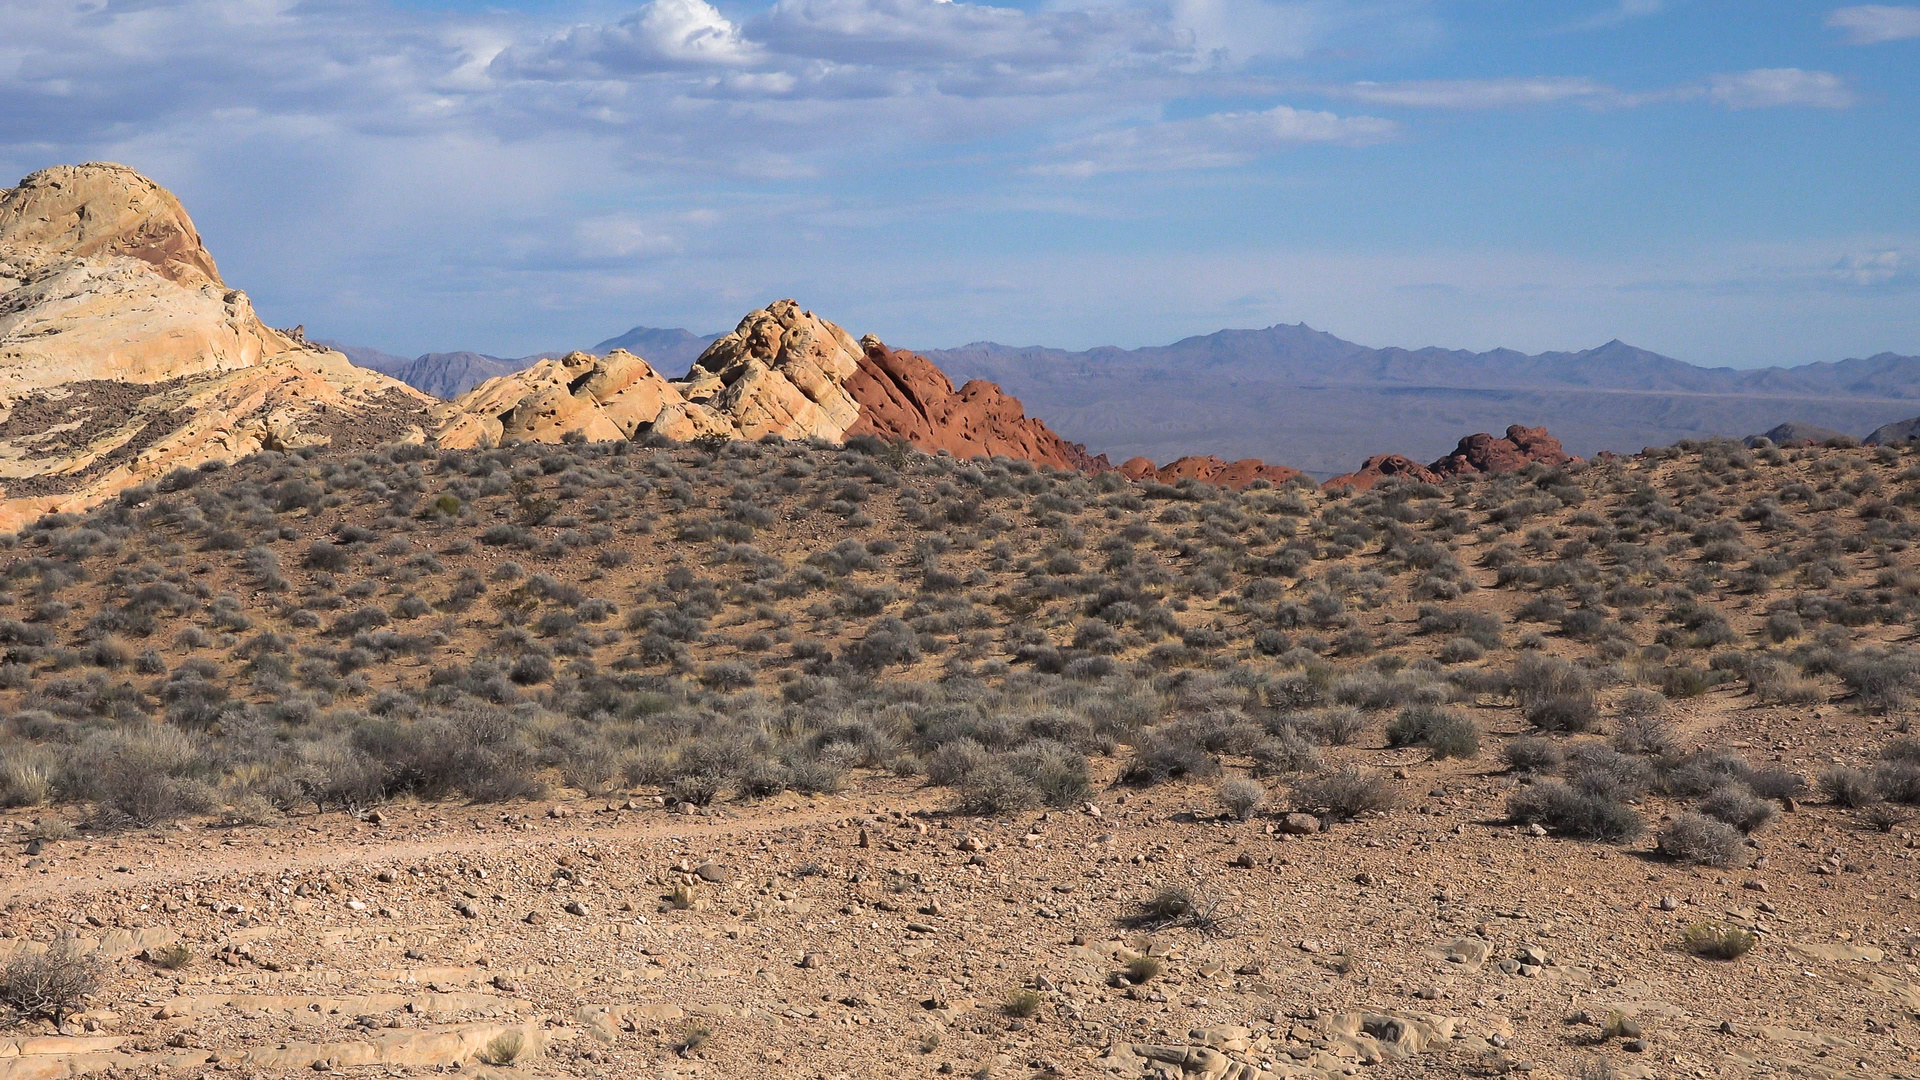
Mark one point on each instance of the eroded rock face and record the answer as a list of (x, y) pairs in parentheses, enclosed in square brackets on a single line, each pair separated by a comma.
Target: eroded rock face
[(1212, 470), (123, 355), (903, 396), (102, 276)]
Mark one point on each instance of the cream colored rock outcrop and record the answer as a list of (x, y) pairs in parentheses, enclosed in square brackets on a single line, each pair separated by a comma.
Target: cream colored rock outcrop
[(123, 355), (102, 276), (783, 371)]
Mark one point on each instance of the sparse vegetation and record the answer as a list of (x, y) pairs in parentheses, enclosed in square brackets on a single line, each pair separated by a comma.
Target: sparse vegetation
[(1718, 941)]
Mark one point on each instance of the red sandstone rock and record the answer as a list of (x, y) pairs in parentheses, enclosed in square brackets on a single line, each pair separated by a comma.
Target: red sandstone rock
[(1210, 469), (1478, 454), (1483, 453), (1380, 467), (902, 395)]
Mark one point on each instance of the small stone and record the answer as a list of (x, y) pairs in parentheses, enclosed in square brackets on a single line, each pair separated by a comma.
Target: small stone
[(810, 961), (575, 907), (1669, 903), (1634, 1046), (1299, 824), (535, 918), (713, 873), (1536, 829), (1754, 885), (1243, 861)]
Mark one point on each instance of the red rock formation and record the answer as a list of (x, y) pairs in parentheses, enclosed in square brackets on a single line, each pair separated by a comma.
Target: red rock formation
[(1482, 453), (1210, 469), (1380, 467), (1477, 455), (903, 396)]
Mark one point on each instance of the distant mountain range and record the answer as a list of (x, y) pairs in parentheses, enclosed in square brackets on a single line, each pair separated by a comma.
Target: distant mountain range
[(450, 374), (1303, 397)]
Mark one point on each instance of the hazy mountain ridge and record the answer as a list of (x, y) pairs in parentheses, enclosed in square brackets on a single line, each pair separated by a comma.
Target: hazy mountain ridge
[(1307, 398)]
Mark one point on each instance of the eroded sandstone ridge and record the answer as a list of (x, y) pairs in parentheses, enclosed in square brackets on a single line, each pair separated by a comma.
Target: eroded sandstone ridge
[(124, 356), (783, 371)]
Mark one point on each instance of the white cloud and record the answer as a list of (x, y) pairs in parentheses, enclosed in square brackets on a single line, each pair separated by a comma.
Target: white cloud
[(1874, 24), (1875, 269), (662, 34), (1623, 11), (1210, 142), (1477, 93), (1771, 87)]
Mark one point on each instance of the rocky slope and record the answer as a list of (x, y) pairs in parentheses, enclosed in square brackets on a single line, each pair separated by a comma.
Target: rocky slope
[(124, 356)]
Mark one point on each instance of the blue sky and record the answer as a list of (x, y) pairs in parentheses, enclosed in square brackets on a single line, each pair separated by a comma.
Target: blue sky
[(1729, 183)]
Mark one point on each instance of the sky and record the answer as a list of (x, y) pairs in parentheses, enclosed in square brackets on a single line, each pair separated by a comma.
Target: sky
[(1731, 183)]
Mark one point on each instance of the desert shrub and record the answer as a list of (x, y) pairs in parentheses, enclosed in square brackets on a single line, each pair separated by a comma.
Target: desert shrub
[(1242, 798), (1739, 808), (1344, 795), (1905, 749), (1897, 781), (994, 790), (1531, 754), (950, 762), (1142, 969), (1645, 735), (1718, 941), (1445, 732), (1335, 726), (1539, 678), (1023, 1003), (1851, 788), (49, 983), (1571, 811), (1057, 772), (1564, 712), (1283, 752), (1165, 753), (1701, 773), (1696, 838), (328, 556), (1461, 650), (1777, 783)]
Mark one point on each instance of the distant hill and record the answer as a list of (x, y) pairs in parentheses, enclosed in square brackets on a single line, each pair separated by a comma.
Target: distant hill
[(671, 352), (450, 374), (1303, 397)]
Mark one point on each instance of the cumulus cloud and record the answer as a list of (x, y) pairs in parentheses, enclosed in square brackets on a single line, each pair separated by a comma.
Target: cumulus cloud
[(1875, 24), (1764, 88), (662, 34), (1210, 142)]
